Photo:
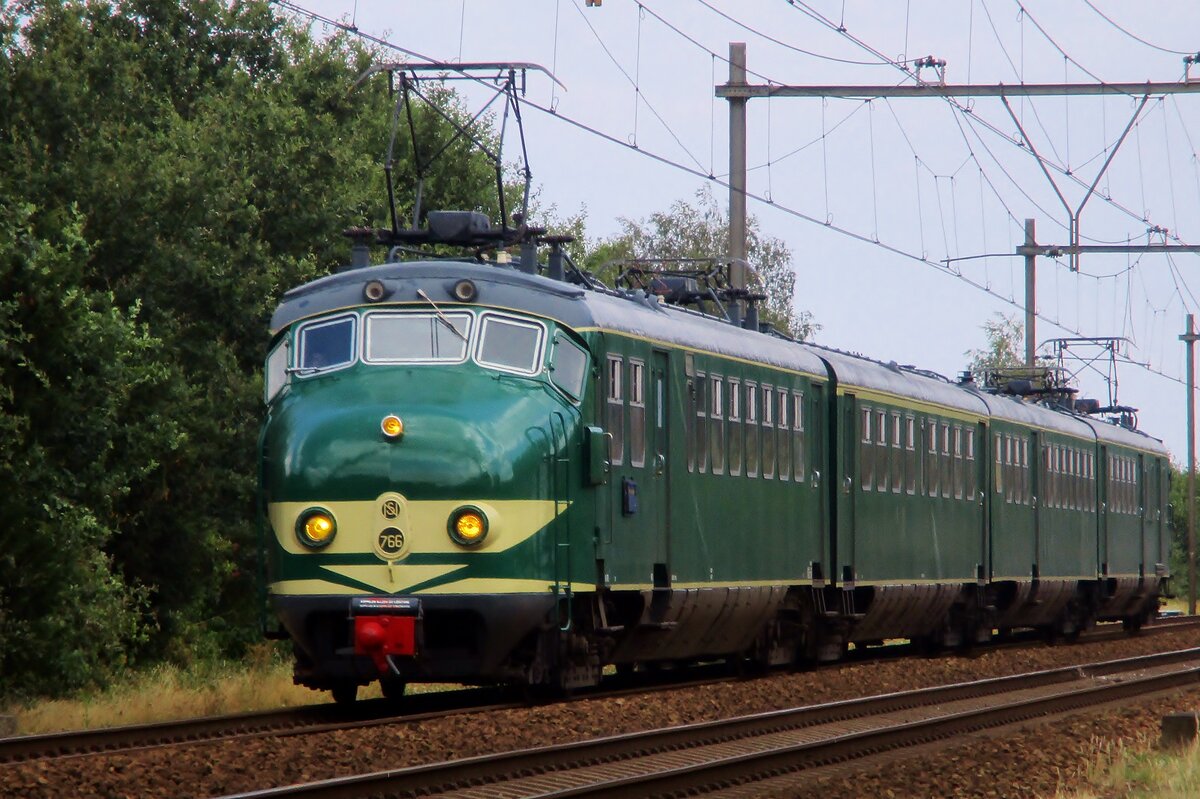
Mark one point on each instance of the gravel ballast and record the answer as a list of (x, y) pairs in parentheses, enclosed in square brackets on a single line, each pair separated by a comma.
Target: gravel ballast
[(1034, 761)]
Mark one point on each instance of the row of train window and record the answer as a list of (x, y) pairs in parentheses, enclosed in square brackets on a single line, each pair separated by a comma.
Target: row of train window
[(1070, 477), (889, 460), (1122, 484), (745, 428), (733, 426), (741, 427)]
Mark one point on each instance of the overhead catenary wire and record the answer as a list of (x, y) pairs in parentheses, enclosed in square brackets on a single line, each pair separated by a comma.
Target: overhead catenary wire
[(1065, 170), (700, 173), (1131, 34), (787, 45), (804, 8), (604, 46)]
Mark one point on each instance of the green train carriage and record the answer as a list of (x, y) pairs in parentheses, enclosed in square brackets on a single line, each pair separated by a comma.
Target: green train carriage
[(479, 474), (571, 508)]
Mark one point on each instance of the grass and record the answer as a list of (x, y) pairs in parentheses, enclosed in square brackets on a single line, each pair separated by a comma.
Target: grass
[(1142, 771), (1179, 603), (165, 693)]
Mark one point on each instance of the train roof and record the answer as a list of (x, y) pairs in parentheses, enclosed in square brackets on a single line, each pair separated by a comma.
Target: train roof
[(857, 371), (634, 314), (628, 313)]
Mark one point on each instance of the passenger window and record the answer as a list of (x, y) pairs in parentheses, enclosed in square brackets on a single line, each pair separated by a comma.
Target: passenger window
[(511, 345), (784, 437), (883, 471), (866, 451), (768, 432), (1026, 482), (637, 412), (958, 463), (751, 430), (616, 410), (799, 465), (910, 453), (897, 455), (417, 337), (999, 464), (970, 475), (568, 366), (1058, 478), (931, 457), (717, 423), (735, 427), (946, 467), (1076, 480), (328, 344)]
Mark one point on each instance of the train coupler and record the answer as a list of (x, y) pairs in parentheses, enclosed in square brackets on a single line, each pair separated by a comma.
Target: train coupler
[(385, 627)]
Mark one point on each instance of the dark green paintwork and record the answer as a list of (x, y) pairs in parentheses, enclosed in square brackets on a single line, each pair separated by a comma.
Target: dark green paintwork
[(474, 433)]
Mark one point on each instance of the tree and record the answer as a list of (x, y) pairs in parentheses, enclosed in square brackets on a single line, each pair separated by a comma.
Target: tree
[(170, 168), (701, 230), (1005, 336), (1177, 510)]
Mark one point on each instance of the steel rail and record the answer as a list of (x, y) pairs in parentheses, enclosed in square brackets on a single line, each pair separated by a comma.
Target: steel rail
[(490, 770), (270, 722), (312, 719), (758, 766)]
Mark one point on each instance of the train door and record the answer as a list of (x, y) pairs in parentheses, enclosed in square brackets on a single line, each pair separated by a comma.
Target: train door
[(817, 457), (1147, 498), (1105, 546), (977, 448), (1041, 487), (659, 478), (1141, 478), (848, 434)]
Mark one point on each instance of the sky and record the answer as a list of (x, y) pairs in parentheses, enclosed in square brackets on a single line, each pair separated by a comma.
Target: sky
[(872, 197)]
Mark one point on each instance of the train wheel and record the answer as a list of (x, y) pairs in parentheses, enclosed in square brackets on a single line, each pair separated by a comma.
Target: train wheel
[(392, 688), (344, 693)]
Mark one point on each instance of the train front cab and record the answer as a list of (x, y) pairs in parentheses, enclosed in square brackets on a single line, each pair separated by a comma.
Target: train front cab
[(399, 592)]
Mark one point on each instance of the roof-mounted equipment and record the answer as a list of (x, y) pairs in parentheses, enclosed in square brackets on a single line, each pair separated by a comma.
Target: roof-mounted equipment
[(408, 84), (703, 283)]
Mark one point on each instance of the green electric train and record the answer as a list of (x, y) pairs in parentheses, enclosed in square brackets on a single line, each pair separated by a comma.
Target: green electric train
[(476, 472)]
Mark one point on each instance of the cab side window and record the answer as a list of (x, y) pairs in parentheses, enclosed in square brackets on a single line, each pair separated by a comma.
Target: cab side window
[(637, 412), (615, 406)]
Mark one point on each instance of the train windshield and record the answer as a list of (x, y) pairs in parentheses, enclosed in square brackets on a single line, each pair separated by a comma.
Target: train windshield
[(511, 345), (417, 337), (328, 344)]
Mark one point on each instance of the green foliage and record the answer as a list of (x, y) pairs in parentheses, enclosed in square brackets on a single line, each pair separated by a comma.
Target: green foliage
[(1004, 349), (699, 230), (1177, 504), (75, 374), (170, 169)]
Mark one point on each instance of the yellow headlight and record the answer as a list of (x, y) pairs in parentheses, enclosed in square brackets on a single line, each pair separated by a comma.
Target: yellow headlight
[(392, 426), (316, 527), (468, 526)]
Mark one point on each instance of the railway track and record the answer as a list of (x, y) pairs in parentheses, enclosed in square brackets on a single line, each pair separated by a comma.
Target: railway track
[(733, 753), (327, 717)]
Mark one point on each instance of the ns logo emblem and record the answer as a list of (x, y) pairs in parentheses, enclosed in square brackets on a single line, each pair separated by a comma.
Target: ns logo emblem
[(391, 509)]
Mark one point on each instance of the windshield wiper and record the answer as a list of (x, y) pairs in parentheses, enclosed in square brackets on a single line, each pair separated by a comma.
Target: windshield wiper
[(441, 316)]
